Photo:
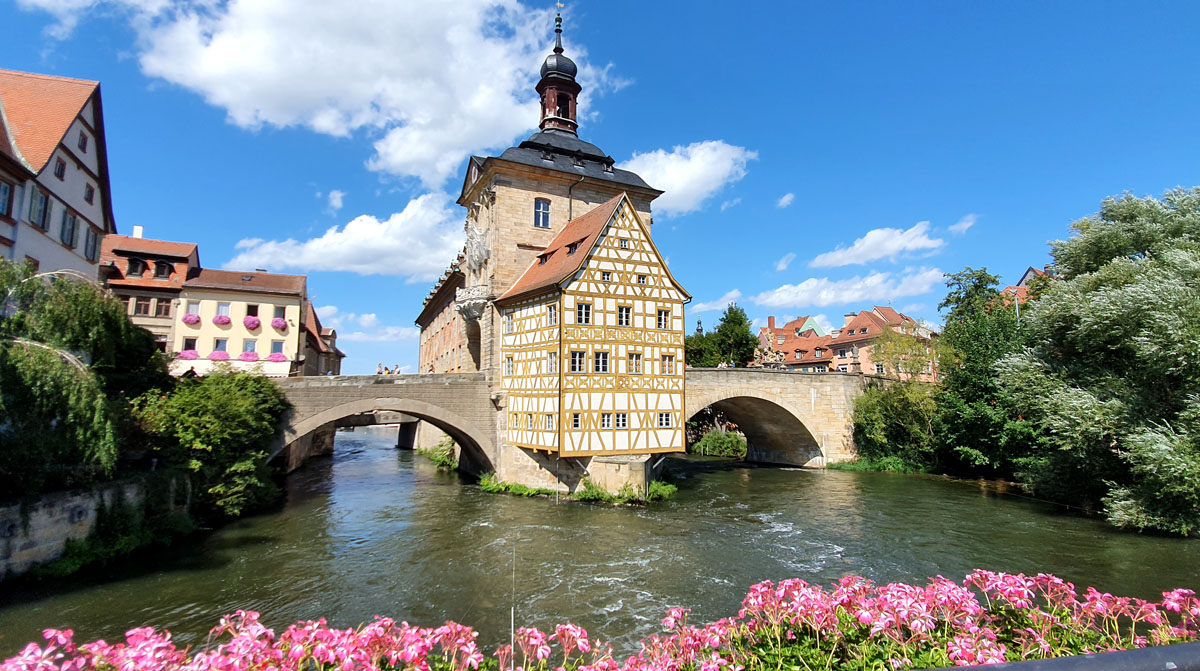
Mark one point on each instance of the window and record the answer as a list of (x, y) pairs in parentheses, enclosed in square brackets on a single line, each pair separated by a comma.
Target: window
[(641, 279), (798, 355), (162, 308), (664, 420), (572, 247), (664, 319), (219, 344), (6, 192), (843, 369), (529, 421), (189, 343), (605, 276), (193, 308), (622, 420), (601, 362), (83, 142), (508, 323), (817, 353), (541, 213), (91, 245), (280, 311), (136, 267), (276, 347), (841, 352), (551, 362), (223, 309), (862, 330), (583, 313), (60, 169), (624, 244), (635, 363), (39, 210), (252, 310), (141, 306), (508, 366), (606, 420), (249, 345), (668, 364), (624, 315), (549, 422), (68, 229), (577, 362), (779, 340), (576, 421), (551, 315), (162, 270), (89, 193), (879, 369)]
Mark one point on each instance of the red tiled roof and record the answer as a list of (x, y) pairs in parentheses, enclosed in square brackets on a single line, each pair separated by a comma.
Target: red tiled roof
[(891, 316), (40, 109), (8, 150), (556, 263), (1021, 294), (234, 280), (113, 243), (312, 324)]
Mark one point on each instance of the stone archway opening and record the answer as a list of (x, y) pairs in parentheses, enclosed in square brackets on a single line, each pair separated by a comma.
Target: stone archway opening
[(774, 434), (473, 443)]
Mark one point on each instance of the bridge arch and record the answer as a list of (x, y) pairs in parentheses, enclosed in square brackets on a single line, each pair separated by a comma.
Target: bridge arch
[(776, 431), (475, 445)]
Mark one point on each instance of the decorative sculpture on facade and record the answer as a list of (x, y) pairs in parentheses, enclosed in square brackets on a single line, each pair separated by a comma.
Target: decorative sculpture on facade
[(471, 301)]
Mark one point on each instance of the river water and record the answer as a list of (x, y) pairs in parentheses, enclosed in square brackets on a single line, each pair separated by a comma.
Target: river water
[(374, 530)]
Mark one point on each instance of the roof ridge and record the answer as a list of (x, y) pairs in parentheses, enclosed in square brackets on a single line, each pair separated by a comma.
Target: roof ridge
[(38, 75)]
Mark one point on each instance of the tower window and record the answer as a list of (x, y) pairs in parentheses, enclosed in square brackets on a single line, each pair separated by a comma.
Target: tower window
[(541, 213), (564, 106)]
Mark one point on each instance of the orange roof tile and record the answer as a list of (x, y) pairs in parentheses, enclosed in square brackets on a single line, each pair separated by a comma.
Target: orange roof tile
[(40, 109), (557, 263), (113, 243), (312, 324), (234, 280)]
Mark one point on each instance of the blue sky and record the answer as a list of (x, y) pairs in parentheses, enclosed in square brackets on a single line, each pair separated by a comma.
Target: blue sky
[(818, 157)]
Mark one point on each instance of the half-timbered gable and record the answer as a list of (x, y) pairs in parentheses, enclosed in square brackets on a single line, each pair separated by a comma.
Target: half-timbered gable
[(592, 351)]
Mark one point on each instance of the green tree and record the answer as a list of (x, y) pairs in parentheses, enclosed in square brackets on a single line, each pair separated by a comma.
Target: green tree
[(1110, 375), (220, 428), (732, 338), (700, 350)]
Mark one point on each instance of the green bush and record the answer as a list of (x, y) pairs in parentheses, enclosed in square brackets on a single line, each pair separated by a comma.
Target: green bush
[(720, 444), (660, 491), (896, 422), (590, 491), (220, 429), (442, 454), (489, 483)]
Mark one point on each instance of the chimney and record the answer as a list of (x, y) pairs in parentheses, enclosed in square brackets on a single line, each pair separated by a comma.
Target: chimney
[(137, 231), (771, 323), (849, 318)]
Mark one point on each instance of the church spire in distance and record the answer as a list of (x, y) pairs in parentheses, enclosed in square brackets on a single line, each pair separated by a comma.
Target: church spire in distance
[(557, 88)]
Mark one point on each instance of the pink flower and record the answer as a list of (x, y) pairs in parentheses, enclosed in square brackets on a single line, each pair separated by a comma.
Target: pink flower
[(251, 322), (277, 357), (188, 355), (221, 320), (190, 319), (219, 355), (248, 356), (279, 324)]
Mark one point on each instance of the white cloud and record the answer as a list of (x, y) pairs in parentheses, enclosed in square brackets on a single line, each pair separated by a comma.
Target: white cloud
[(418, 242), (368, 328), (730, 203), (335, 201), (822, 320), (368, 320), (382, 334), (719, 304), (785, 200), (876, 286), (912, 307), (691, 174), (963, 224), (326, 312), (880, 243), (786, 261), (409, 74)]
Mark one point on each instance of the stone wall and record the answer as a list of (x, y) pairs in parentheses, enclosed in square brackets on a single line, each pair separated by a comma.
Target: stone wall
[(40, 534)]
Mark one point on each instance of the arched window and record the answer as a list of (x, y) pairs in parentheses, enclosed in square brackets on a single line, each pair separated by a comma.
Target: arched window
[(564, 106), (541, 213)]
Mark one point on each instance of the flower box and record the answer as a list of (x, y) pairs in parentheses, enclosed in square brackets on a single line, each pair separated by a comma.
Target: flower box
[(219, 355), (191, 319), (277, 357), (248, 356), (221, 320), (187, 355), (279, 324), (251, 322)]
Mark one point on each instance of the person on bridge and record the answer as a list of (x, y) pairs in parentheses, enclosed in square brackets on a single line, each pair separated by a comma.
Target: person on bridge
[(379, 369)]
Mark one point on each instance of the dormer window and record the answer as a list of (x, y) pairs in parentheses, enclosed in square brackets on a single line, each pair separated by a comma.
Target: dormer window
[(162, 270), (136, 267), (608, 167), (572, 247), (541, 213), (542, 259)]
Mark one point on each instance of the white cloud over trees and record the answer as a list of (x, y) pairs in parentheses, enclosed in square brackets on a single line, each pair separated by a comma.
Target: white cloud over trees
[(875, 286), (881, 243)]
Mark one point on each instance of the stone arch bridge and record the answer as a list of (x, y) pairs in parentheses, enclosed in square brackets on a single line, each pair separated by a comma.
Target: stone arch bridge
[(799, 419)]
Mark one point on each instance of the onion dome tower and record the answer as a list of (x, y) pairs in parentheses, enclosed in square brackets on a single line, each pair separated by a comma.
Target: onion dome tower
[(558, 88)]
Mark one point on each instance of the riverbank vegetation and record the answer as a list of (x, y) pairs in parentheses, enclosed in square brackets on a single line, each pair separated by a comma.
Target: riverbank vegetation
[(442, 454), (855, 624), (719, 443), (587, 492), (1088, 393), (86, 400)]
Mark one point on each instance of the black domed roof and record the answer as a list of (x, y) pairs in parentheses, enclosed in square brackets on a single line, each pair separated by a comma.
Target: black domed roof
[(559, 64)]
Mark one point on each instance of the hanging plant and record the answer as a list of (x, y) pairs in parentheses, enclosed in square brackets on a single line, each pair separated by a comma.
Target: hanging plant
[(248, 356), (251, 322), (187, 355), (221, 320), (279, 324), (219, 355), (191, 319), (277, 357)]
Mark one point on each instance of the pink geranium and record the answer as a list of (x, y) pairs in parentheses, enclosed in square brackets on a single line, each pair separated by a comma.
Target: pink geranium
[(191, 319), (188, 354), (219, 355), (221, 320), (277, 357), (251, 322), (279, 323), (248, 356)]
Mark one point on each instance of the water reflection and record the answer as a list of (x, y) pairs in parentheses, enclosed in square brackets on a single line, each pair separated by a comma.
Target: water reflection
[(377, 531)]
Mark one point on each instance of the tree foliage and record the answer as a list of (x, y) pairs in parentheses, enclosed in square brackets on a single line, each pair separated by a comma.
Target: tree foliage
[(220, 428), (731, 341)]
